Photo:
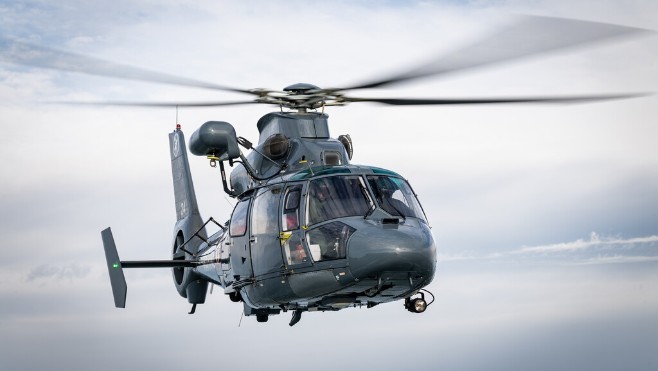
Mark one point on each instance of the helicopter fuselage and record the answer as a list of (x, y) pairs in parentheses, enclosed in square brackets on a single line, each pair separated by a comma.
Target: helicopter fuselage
[(311, 231), (289, 246)]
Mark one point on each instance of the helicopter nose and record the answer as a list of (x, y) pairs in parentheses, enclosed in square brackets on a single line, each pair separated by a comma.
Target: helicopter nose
[(405, 248)]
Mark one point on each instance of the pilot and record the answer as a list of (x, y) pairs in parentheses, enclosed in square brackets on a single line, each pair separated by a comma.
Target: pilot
[(392, 204), (298, 254), (331, 250), (386, 190), (291, 221)]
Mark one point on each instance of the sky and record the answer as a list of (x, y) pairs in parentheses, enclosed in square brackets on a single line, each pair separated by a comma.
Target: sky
[(545, 216)]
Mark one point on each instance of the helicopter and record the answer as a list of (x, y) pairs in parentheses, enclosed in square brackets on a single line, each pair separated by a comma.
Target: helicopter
[(310, 231)]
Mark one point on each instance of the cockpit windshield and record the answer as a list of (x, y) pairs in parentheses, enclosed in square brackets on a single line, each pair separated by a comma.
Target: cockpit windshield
[(337, 197), (395, 196)]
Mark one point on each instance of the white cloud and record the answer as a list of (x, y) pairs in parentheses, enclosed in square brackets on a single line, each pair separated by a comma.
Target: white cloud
[(595, 250), (595, 241), (57, 272), (620, 259)]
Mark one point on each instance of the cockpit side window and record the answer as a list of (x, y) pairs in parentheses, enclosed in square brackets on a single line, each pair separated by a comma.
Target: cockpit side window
[(290, 213), (238, 224), (396, 197), (336, 197)]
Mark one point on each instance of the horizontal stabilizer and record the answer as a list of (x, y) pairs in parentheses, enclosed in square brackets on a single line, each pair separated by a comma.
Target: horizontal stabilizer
[(166, 263), (117, 279)]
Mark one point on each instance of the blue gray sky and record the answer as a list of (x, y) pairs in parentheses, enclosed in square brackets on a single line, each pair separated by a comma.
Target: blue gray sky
[(545, 216)]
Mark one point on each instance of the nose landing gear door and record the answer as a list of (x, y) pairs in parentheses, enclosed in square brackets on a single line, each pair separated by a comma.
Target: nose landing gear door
[(295, 252)]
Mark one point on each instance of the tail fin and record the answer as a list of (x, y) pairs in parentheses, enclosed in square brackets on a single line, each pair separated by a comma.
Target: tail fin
[(188, 218), (189, 225)]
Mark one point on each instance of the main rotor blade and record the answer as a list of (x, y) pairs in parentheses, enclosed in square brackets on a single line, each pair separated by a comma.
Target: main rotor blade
[(527, 36), (424, 102), (161, 104), (21, 53)]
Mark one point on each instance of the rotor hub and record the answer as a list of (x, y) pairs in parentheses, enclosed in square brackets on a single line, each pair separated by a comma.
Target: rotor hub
[(300, 88), (301, 96)]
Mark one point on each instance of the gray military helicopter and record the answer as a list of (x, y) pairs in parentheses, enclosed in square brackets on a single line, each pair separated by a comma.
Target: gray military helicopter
[(310, 230)]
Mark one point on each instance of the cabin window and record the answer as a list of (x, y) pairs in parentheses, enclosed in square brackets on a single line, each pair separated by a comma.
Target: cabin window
[(396, 197), (265, 210), (290, 212), (329, 241), (331, 158), (238, 225), (337, 197)]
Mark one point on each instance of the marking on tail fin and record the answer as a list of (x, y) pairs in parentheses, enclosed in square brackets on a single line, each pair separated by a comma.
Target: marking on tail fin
[(175, 146), (183, 210)]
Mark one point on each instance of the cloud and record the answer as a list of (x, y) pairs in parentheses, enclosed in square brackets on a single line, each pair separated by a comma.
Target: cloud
[(57, 272), (597, 249), (618, 259), (595, 241)]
